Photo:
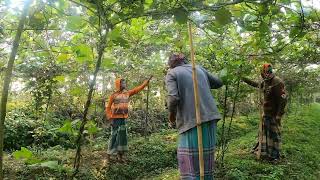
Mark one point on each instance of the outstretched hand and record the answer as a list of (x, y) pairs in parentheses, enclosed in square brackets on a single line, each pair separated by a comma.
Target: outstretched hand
[(150, 77)]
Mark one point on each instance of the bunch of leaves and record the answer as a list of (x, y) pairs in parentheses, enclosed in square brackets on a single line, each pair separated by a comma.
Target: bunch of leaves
[(300, 153), (146, 156), (34, 162), (18, 130), (71, 130)]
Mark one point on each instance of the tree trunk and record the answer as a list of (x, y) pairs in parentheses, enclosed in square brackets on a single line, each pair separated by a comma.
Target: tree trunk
[(7, 79), (102, 45)]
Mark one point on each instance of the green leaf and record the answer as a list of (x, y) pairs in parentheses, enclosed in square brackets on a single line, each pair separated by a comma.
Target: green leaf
[(74, 23), (92, 128), (83, 52), (179, 43), (62, 58), (37, 21), (223, 16), (137, 27), (93, 19), (122, 42), (223, 73), (294, 32), (24, 153), (59, 78), (225, 76), (108, 62), (50, 164), (76, 91), (236, 10), (115, 33), (148, 4), (249, 18), (116, 38), (275, 10), (66, 128), (264, 28), (286, 1), (264, 9), (62, 5), (181, 15)]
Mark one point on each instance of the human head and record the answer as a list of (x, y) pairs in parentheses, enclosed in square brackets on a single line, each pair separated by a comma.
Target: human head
[(266, 71), (123, 84), (177, 59), (120, 84)]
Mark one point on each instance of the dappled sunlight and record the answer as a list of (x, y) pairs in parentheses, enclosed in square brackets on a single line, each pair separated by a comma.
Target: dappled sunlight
[(108, 89)]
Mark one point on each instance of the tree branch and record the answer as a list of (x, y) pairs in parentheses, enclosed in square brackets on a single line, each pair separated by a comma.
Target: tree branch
[(80, 4)]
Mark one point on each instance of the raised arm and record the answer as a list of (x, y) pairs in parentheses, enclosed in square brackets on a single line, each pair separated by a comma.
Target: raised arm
[(214, 81), (250, 82), (138, 88)]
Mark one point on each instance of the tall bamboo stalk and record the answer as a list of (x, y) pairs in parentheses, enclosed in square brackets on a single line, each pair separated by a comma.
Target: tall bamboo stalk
[(7, 78), (260, 135), (196, 99), (147, 113)]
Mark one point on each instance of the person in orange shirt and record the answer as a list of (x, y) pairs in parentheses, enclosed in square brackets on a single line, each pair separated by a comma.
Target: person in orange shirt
[(117, 113)]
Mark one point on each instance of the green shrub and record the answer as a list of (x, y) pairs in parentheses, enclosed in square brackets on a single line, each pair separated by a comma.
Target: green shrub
[(18, 130), (146, 156), (23, 130)]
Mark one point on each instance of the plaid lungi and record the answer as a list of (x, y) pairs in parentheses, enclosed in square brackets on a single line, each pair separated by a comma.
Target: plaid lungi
[(269, 139), (188, 154), (118, 141)]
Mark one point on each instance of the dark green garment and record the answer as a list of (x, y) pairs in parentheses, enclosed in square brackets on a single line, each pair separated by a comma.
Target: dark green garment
[(275, 95), (118, 141), (270, 138)]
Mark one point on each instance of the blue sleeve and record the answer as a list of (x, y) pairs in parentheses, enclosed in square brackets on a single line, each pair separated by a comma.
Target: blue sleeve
[(173, 93), (214, 81)]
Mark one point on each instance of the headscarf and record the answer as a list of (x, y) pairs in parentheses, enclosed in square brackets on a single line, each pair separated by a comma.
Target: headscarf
[(118, 84), (266, 71), (177, 59)]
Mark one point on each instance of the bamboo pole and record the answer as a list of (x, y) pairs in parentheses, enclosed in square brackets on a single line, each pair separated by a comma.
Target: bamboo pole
[(147, 113), (260, 135), (8, 76), (196, 99)]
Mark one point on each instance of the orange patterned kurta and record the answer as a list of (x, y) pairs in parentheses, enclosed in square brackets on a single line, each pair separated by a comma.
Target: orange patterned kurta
[(117, 106)]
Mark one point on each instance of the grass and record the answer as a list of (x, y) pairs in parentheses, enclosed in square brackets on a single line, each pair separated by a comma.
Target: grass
[(151, 155), (300, 149), (155, 157)]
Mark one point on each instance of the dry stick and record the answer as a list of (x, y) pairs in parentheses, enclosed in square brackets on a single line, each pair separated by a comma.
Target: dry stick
[(232, 115), (196, 99), (101, 47), (76, 164), (147, 112), (260, 124), (223, 126), (7, 79)]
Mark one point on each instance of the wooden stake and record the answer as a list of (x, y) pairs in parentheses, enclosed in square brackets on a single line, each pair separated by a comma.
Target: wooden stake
[(196, 100), (147, 113), (260, 135), (7, 78)]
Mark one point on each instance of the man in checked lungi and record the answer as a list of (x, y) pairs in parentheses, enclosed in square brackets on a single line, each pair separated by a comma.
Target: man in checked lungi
[(274, 102), (117, 113), (181, 106)]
